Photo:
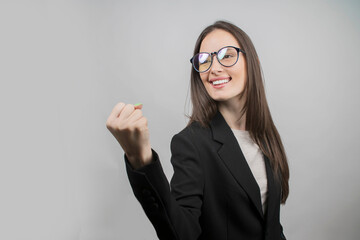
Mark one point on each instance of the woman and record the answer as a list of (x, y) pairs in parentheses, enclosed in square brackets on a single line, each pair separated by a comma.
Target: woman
[(230, 167)]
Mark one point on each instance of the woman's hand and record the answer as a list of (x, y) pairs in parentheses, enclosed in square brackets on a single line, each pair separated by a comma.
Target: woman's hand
[(130, 129)]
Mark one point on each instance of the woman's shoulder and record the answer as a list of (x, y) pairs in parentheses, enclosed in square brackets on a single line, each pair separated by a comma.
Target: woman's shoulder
[(191, 139), (195, 130)]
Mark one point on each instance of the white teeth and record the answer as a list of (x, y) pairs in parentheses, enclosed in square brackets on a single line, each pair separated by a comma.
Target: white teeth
[(220, 82)]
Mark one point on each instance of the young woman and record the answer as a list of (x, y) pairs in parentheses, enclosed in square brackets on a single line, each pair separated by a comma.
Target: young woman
[(230, 167)]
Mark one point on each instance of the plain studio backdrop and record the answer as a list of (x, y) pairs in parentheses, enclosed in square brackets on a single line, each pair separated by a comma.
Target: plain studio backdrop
[(65, 64)]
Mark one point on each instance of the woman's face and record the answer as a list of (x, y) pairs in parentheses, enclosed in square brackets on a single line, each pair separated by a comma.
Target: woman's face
[(234, 76)]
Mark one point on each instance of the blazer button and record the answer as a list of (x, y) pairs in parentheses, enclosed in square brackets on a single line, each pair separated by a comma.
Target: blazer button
[(146, 192), (155, 205)]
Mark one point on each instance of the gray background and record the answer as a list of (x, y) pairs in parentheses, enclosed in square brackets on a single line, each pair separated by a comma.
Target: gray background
[(65, 64)]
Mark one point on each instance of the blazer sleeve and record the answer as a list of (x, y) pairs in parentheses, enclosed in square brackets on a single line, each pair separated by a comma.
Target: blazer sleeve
[(173, 209)]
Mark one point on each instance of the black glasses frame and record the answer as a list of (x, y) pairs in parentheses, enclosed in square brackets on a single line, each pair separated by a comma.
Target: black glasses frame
[(217, 56)]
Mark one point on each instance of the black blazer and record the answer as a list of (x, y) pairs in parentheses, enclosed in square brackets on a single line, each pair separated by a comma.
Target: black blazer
[(213, 195)]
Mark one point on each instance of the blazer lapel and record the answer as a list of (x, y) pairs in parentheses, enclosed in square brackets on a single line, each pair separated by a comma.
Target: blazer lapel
[(231, 154)]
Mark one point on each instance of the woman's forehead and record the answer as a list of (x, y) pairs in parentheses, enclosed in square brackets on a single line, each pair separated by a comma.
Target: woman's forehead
[(217, 39)]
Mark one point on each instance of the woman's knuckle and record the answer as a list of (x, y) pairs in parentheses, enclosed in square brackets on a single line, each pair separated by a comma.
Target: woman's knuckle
[(109, 124), (129, 106), (119, 106)]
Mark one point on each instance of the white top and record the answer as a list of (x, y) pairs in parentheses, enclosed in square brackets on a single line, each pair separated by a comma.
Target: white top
[(255, 160)]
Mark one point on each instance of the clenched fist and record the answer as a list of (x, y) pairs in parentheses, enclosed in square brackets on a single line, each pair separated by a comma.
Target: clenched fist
[(130, 129)]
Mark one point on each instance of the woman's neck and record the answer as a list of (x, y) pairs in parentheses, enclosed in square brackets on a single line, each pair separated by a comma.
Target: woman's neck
[(231, 111)]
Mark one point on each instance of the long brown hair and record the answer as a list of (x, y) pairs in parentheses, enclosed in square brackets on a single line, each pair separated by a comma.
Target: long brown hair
[(259, 122)]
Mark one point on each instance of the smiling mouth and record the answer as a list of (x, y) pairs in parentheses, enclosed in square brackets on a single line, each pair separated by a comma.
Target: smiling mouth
[(219, 82)]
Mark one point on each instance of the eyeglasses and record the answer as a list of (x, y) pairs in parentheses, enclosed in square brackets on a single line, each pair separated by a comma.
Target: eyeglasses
[(227, 56)]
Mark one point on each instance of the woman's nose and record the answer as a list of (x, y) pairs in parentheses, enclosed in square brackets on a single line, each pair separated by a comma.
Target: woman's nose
[(216, 66)]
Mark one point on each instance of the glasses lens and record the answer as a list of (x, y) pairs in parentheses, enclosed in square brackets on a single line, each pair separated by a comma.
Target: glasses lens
[(202, 62), (227, 56)]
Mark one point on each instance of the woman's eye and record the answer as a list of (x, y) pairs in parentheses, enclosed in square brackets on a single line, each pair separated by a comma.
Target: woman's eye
[(228, 56)]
